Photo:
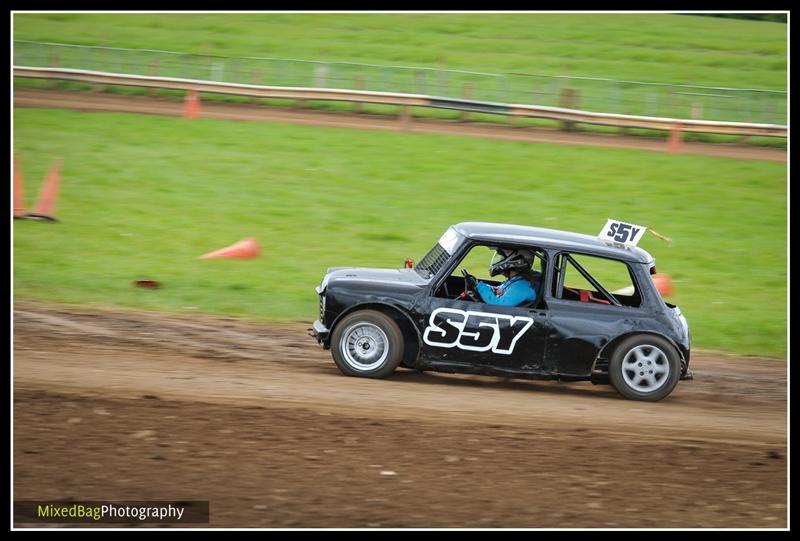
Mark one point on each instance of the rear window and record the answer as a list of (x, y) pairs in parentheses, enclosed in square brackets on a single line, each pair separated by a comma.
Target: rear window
[(612, 275)]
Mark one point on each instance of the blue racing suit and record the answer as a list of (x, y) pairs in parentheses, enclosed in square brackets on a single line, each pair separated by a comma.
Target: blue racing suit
[(512, 292)]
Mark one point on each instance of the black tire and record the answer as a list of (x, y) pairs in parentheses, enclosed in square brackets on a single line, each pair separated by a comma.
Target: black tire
[(367, 344), (644, 367)]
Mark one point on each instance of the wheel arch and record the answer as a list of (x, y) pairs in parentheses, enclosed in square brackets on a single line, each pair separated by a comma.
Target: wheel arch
[(411, 336), (607, 350)]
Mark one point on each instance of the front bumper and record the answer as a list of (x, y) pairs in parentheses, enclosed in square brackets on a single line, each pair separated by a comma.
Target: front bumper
[(321, 333)]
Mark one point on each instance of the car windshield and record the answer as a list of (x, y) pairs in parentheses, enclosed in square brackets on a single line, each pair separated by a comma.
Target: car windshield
[(433, 261)]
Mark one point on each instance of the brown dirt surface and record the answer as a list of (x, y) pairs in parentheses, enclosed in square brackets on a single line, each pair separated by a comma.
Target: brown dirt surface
[(99, 101), (255, 418)]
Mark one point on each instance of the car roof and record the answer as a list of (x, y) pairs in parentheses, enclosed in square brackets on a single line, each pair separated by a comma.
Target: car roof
[(550, 238)]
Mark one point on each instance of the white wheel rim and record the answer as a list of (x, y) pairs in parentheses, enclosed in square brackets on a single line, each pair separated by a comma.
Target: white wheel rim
[(645, 368), (364, 346)]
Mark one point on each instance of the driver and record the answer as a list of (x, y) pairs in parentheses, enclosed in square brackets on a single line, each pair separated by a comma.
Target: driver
[(518, 288)]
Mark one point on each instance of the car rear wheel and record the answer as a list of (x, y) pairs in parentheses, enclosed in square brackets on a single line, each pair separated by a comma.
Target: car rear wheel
[(367, 343), (644, 367)]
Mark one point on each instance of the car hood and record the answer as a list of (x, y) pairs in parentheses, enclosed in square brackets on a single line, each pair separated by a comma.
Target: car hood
[(362, 275)]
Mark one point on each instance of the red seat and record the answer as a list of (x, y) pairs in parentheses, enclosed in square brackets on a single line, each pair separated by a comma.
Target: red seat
[(592, 298)]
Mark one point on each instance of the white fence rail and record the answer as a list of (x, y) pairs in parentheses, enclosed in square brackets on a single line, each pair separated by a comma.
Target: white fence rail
[(569, 116), (622, 97)]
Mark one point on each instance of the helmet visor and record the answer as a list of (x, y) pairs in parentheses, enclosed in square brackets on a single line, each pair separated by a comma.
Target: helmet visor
[(497, 266), (497, 257)]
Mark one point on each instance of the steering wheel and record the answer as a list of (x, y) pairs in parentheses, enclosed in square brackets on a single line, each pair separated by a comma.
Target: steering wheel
[(470, 287)]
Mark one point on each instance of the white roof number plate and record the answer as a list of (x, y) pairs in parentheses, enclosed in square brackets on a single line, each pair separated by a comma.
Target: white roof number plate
[(622, 234)]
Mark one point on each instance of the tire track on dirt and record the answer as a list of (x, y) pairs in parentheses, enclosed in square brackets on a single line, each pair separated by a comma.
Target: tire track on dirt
[(256, 419)]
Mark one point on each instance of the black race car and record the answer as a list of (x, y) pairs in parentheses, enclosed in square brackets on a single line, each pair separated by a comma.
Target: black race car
[(597, 314)]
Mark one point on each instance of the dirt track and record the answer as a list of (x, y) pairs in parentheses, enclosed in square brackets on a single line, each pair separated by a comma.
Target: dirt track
[(97, 101), (257, 420)]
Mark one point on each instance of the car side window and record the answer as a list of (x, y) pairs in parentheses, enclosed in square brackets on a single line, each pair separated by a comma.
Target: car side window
[(585, 278), (477, 261)]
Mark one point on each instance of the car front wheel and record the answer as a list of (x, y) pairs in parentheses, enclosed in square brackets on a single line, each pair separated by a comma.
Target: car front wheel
[(367, 343), (644, 367)]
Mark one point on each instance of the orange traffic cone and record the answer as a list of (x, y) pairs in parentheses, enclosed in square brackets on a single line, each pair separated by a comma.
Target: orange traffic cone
[(192, 109), (19, 195), (675, 139), (663, 284), (46, 207), (244, 249)]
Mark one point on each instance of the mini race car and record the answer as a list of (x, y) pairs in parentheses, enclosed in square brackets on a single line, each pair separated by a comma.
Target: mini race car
[(597, 314)]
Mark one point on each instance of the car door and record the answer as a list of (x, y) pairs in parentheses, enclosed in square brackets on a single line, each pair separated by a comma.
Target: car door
[(465, 332), (584, 315)]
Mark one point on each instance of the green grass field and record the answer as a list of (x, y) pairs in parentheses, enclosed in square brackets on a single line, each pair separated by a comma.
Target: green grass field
[(648, 47), (143, 196), (526, 48)]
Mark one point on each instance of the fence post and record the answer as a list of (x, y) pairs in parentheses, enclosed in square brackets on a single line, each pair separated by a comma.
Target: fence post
[(673, 104), (441, 81), (420, 78), (97, 87), (569, 99), (98, 63), (387, 80), (54, 60), (152, 70), (405, 117), (235, 72), (218, 71), (358, 107), (301, 103), (256, 80), (466, 93), (320, 75), (502, 89), (650, 104)]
